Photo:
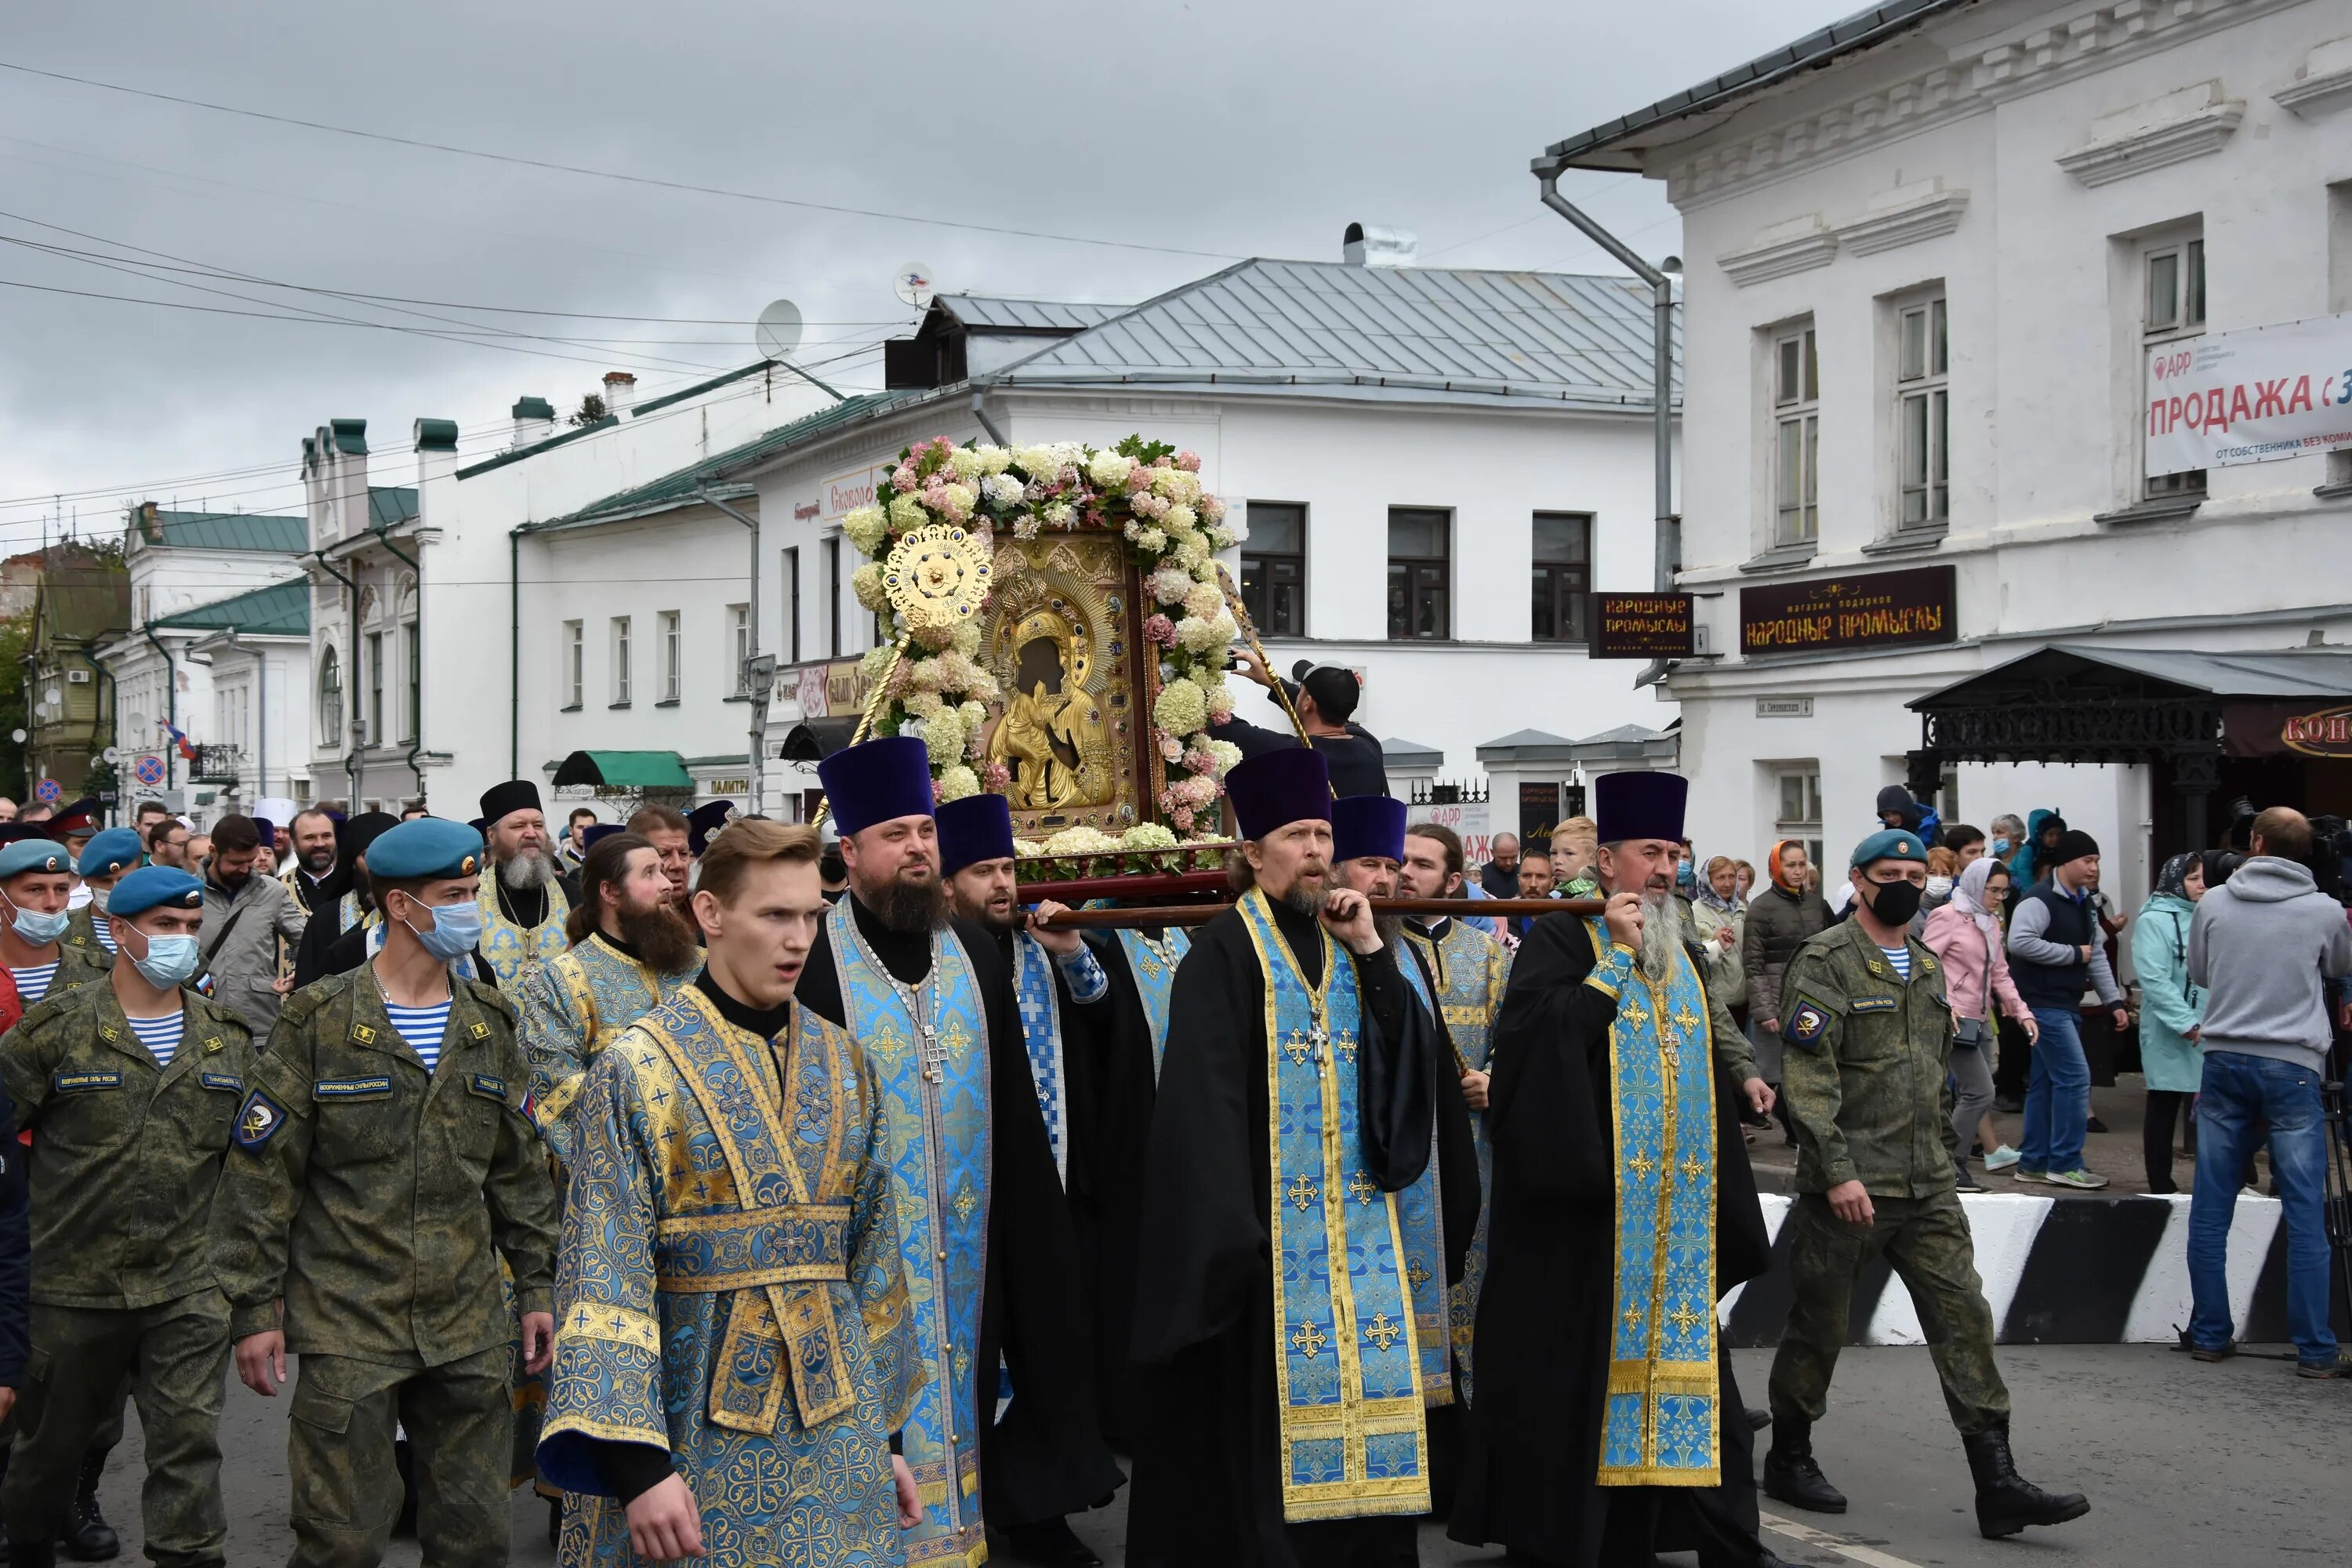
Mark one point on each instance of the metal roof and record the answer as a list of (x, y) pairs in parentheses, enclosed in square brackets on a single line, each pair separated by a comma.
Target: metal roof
[(1309, 327), (282, 609), (2318, 674), (1857, 32), (389, 505), (230, 530), (984, 313)]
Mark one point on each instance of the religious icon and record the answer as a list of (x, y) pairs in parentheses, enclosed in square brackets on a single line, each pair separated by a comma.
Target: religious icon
[(1053, 740)]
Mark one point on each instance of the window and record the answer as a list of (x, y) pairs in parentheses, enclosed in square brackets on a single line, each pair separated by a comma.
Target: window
[(331, 698), (2173, 307), (792, 602), (375, 688), (738, 618), (1563, 565), (1797, 437), (1418, 553), (412, 716), (833, 595), (671, 641), (1799, 813), (576, 663), (1274, 569), (1924, 414), (620, 661)]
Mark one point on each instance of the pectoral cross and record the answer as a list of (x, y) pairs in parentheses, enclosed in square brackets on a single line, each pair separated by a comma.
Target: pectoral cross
[(1309, 1339), (1302, 1193), (934, 1060)]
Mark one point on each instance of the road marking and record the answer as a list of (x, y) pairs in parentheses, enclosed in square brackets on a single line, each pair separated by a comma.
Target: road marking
[(1843, 1544)]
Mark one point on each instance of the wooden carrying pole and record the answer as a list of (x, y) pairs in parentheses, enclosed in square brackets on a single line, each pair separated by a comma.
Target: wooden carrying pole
[(1197, 914)]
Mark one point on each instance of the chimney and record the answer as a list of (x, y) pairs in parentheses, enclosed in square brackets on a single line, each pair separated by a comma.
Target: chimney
[(344, 443), (534, 420), (437, 453), (1369, 245), (619, 391)]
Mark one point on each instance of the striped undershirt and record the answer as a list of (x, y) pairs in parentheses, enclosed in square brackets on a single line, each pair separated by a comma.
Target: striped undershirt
[(105, 935), (1900, 957), (422, 1028), (33, 984), (160, 1035)]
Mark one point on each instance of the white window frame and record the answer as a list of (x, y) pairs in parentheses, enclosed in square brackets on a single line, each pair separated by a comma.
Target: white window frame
[(375, 724), (1796, 458), (2171, 312), (739, 619), (574, 673), (622, 684), (330, 698), (1923, 415), (1805, 826), (673, 641)]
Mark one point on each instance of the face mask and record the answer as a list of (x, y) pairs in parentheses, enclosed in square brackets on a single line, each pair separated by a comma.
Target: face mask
[(98, 896), (170, 960), (1939, 887), (2001, 847), (36, 929), (454, 931), (1894, 902), (1685, 879)]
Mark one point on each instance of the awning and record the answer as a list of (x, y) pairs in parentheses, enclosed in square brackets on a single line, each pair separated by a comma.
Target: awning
[(814, 740), (625, 770)]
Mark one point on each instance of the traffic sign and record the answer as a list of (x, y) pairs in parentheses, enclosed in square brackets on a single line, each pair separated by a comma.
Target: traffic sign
[(150, 771), (49, 791)]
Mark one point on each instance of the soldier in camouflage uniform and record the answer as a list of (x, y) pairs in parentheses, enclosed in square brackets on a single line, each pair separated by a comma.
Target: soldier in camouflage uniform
[(36, 881), (130, 1088), (1869, 1037), (385, 1162), (105, 860)]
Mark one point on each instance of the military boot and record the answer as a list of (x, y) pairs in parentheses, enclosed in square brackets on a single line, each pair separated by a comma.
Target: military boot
[(1790, 1473), (89, 1537), (2006, 1501)]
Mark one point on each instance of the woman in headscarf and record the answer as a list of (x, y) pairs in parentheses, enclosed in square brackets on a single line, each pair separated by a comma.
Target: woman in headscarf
[(1780, 920), (1721, 922), (2171, 1011), (1966, 934)]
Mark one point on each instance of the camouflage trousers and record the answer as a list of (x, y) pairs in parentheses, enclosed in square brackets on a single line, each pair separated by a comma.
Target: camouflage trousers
[(1927, 1241), (175, 1358), (459, 1421)]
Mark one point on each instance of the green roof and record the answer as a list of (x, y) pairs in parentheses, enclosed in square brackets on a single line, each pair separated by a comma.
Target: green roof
[(281, 610), (390, 505), (698, 389), (519, 453), (625, 770), (230, 530)]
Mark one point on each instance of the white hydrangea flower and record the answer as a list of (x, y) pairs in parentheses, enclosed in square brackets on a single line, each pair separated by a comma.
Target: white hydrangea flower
[(1108, 470), (965, 461), (992, 460), (1004, 490), (906, 512), (866, 528), (1146, 835), (1182, 706), (957, 781), (1226, 754), (867, 584)]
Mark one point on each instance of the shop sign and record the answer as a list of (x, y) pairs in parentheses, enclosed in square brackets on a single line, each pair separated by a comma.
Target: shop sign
[(1881, 609), (1643, 626)]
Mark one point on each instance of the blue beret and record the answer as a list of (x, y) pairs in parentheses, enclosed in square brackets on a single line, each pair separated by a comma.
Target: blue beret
[(32, 855), (877, 780), (977, 827), (154, 887), (116, 849), (425, 849), (1367, 827), (1890, 844), (1276, 788), (596, 830)]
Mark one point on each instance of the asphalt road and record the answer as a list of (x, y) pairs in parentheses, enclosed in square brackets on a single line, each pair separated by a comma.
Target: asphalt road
[(2239, 1463)]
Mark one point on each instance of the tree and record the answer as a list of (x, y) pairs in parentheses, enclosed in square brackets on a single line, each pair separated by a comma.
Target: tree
[(16, 640), (592, 409)]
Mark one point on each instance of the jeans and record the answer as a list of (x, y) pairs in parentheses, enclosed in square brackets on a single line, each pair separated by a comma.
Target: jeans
[(1972, 1093), (2057, 1097), (2239, 1093)]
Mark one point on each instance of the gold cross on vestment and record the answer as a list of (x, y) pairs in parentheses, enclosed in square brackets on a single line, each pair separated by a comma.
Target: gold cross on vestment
[(580, 1319), (1296, 1047), (1309, 1339), (1417, 1274), (1303, 1193), (966, 1199), (1691, 1168), (1686, 1317), (1347, 1046), (1641, 1164), (1632, 1316), (1363, 1188), (1383, 1332), (1686, 1018)]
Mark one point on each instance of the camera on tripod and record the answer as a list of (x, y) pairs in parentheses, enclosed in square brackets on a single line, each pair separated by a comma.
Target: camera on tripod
[(2328, 862)]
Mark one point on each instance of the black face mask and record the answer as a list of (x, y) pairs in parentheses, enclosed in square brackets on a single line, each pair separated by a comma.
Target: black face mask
[(1896, 902)]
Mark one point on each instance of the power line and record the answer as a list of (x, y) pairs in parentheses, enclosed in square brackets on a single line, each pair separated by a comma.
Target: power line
[(648, 180)]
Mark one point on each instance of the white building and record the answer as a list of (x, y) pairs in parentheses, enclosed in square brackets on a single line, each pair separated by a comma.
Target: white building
[(1422, 455), (439, 692), (219, 649), (1931, 251)]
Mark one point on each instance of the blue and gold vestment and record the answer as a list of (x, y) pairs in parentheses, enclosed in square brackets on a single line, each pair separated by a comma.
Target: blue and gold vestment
[(730, 1291), (513, 951), (572, 1007)]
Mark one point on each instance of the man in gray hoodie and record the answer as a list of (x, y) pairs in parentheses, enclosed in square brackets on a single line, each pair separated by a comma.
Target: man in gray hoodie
[(2263, 945)]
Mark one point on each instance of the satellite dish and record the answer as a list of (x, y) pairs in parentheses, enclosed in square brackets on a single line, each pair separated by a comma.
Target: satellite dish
[(52, 696), (914, 283), (779, 331)]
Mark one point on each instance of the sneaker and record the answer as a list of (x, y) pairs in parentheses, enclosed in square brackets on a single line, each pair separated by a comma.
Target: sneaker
[(2022, 1174), (2080, 1181), (2222, 1352), (1965, 1181), (2340, 1367), (2094, 1125), (2000, 1158)]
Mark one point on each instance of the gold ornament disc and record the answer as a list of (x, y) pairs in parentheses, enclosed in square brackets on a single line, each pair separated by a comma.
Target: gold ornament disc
[(936, 577)]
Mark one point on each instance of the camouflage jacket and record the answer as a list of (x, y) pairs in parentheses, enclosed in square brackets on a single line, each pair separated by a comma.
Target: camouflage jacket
[(81, 931), (77, 965), (1865, 1068), (126, 1154), (378, 1198)]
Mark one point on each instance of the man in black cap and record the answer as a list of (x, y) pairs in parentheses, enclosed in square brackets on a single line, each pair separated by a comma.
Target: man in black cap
[(1324, 697), (1606, 1425), (524, 899)]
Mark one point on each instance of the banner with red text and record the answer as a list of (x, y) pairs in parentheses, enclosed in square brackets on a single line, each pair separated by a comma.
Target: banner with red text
[(2250, 397)]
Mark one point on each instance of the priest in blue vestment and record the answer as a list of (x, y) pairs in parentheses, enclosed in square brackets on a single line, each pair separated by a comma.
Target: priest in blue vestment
[(1281, 1410), (1606, 1427)]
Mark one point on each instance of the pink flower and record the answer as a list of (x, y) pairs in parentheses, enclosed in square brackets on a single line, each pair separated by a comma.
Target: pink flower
[(1161, 630), (1189, 461), (1183, 818), (1138, 478), (1200, 762), (905, 478), (997, 778)]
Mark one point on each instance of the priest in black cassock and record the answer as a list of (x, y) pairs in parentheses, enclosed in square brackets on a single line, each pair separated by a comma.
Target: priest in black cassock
[(1607, 1426), (1280, 1405), (989, 1256)]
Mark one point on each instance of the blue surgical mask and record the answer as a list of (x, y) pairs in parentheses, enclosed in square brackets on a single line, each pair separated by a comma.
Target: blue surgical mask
[(98, 896), (2001, 847), (454, 931), (36, 929), (170, 960)]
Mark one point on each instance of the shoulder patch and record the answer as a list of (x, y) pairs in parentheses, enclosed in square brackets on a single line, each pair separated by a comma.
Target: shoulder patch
[(257, 1121), (490, 996), (1808, 1020)]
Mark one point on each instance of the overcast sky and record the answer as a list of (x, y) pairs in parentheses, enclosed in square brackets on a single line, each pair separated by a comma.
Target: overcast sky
[(1227, 128)]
